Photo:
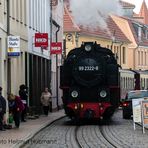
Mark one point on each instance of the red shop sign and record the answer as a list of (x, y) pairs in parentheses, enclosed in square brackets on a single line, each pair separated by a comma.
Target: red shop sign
[(56, 48), (41, 39)]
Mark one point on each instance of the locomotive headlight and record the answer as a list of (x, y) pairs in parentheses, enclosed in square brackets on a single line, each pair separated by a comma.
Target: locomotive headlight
[(88, 47), (103, 93), (74, 94)]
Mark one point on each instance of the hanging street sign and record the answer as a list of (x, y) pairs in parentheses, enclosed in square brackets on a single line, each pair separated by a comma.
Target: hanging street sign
[(56, 48), (13, 45), (41, 40)]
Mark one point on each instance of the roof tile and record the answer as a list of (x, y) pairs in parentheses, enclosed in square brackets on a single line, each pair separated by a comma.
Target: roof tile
[(126, 4), (113, 29), (69, 24)]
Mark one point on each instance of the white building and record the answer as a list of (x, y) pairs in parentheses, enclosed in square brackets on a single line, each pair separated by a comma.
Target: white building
[(33, 66), (38, 63), (57, 36), (12, 71)]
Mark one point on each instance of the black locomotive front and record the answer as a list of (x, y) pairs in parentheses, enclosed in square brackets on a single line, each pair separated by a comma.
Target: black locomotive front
[(89, 80)]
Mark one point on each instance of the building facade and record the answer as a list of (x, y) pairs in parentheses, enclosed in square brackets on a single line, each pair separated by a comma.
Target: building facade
[(13, 23), (128, 40), (57, 36), (115, 40), (37, 59), (33, 66)]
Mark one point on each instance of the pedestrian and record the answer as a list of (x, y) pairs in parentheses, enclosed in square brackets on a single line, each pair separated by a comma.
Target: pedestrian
[(2, 110), (45, 100), (23, 93), (15, 108)]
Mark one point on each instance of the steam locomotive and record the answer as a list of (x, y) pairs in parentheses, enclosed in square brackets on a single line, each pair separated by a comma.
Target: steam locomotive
[(89, 79)]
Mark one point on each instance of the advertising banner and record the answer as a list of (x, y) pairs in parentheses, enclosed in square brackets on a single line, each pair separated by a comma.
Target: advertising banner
[(41, 40), (145, 111), (136, 105), (13, 45), (56, 48)]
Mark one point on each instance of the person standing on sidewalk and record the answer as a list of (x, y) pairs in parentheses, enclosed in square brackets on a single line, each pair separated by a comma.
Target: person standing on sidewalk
[(23, 93), (45, 100), (2, 110), (15, 108)]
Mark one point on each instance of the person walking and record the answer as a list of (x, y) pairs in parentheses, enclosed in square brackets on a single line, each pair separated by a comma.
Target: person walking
[(45, 100), (2, 110), (15, 108), (23, 93)]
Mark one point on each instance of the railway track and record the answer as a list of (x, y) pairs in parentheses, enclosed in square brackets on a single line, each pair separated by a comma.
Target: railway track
[(65, 134)]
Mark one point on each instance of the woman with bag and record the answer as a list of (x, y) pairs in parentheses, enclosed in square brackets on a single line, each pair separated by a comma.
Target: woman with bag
[(15, 108), (45, 100)]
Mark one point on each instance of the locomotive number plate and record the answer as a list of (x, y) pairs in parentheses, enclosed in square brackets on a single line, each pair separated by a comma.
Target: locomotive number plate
[(88, 68)]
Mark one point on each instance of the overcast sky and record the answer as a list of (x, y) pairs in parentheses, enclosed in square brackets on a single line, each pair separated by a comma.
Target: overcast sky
[(137, 3)]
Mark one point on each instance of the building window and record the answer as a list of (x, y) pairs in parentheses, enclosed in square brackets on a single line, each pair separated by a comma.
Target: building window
[(145, 58), (138, 57), (17, 10), (123, 55), (30, 14), (21, 11), (25, 11), (141, 57), (117, 52), (146, 33), (12, 4), (5, 7), (139, 33)]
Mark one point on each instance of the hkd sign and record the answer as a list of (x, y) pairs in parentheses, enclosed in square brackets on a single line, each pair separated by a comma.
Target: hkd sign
[(41, 39)]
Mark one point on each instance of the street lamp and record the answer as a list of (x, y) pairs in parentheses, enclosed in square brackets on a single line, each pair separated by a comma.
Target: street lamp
[(77, 38), (64, 46)]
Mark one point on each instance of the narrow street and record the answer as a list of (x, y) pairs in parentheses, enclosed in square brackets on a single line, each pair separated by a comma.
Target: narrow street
[(64, 134)]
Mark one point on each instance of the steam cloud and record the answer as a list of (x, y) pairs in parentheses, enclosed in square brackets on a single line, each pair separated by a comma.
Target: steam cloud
[(93, 13)]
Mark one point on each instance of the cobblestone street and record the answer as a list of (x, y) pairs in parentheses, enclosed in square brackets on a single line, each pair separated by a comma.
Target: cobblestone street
[(64, 134)]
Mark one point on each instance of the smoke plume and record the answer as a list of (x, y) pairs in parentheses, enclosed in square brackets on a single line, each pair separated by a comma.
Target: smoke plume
[(93, 13)]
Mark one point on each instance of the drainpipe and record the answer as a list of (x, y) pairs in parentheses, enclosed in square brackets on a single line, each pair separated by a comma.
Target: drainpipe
[(8, 58), (57, 78)]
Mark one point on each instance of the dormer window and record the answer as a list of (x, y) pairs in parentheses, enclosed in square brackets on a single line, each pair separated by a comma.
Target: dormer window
[(138, 30), (139, 33), (146, 34)]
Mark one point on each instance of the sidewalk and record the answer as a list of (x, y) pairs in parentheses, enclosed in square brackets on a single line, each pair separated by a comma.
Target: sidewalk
[(14, 138)]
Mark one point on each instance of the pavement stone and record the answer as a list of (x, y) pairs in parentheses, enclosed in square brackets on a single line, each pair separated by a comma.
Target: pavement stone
[(14, 137)]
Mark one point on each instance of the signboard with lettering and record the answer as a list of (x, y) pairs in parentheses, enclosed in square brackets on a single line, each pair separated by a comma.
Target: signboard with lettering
[(13, 45), (136, 105), (56, 48), (145, 112), (41, 40)]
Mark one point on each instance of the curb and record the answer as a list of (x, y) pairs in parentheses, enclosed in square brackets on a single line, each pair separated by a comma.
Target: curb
[(31, 135)]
